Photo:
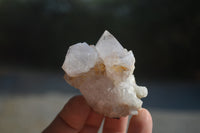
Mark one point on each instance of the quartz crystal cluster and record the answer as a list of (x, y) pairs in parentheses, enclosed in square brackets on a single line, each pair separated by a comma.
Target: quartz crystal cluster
[(104, 75)]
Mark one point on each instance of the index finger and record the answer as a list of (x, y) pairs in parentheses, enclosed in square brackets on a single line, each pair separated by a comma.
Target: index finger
[(72, 117)]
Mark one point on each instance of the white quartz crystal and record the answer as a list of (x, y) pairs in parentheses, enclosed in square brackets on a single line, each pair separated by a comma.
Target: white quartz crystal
[(104, 75), (80, 58)]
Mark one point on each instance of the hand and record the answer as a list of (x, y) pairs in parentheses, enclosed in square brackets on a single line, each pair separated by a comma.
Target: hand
[(78, 117)]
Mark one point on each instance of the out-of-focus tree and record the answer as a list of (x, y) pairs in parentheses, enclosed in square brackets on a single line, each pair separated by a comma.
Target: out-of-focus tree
[(163, 34)]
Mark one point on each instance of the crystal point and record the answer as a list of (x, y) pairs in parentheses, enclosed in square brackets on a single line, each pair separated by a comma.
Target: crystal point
[(104, 75)]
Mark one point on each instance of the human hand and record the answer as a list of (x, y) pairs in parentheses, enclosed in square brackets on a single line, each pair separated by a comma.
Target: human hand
[(78, 117)]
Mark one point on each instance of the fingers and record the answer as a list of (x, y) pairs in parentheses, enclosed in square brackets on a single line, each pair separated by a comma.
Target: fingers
[(141, 123), (75, 112), (77, 116), (115, 125), (59, 126), (93, 123), (72, 117)]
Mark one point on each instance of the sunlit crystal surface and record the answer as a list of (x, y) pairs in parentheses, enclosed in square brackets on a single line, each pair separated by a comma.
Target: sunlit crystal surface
[(104, 75), (79, 59)]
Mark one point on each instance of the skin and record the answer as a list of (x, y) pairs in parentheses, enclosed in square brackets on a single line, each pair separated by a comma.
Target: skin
[(78, 117)]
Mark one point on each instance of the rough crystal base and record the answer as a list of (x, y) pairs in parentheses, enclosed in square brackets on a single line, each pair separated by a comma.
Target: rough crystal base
[(103, 74)]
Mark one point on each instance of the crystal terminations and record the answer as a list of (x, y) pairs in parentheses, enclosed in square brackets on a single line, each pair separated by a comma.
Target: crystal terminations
[(104, 75)]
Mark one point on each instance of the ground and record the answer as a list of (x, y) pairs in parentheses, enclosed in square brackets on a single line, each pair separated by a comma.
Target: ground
[(29, 101)]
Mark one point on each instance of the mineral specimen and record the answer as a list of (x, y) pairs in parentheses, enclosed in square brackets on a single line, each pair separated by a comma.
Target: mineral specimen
[(103, 74)]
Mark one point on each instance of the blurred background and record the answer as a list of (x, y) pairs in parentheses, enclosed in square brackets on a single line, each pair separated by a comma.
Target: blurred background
[(35, 36)]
